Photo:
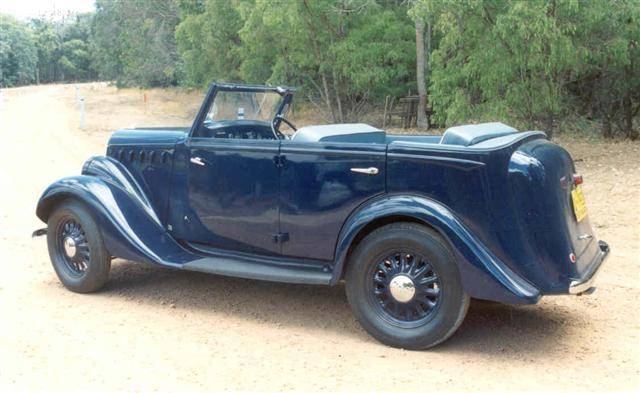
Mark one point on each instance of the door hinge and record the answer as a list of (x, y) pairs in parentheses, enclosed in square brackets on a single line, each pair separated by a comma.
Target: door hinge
[(279, 160), (280, 237)]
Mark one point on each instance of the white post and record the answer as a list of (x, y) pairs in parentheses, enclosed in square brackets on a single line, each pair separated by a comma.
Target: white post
[(82, 113), (77, 95)]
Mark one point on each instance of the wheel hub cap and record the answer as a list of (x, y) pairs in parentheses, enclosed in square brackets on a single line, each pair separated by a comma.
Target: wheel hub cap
[(69, 246), (402, 288)]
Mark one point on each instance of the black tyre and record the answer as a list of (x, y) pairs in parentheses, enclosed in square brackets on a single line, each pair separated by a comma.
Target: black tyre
[(403, 285), (76, 248)]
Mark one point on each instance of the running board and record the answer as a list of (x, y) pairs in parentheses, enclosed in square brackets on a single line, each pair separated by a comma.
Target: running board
[(259, 271)]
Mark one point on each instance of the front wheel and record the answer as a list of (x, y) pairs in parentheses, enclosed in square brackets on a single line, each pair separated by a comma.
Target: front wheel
[(404, 287), (76, 248)]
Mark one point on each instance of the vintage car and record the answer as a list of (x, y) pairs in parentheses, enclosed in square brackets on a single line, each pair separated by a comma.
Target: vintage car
[(416, 225)]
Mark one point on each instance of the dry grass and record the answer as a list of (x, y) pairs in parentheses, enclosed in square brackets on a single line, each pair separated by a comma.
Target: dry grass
[(109, 108)]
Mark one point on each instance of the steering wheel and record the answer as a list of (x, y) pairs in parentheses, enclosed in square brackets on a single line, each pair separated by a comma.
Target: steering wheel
[(284, 119), (277, 121)]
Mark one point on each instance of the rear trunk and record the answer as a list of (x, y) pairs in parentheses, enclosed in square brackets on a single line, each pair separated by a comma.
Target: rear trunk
[(551, 207)]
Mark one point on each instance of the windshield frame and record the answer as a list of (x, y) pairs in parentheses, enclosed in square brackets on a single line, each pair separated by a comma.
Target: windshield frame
[(285, 92)]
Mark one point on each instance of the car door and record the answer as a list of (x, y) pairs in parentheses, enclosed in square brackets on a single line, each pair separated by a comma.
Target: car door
[(232, 194), (321, 184)]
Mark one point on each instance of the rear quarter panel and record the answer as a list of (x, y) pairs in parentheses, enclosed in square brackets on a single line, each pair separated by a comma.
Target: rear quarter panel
[(474, 185), (511, 197)]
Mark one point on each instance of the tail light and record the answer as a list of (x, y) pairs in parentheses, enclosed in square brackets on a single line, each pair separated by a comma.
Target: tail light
[(577, 179)]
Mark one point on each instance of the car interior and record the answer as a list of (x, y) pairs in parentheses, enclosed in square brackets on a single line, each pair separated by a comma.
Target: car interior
[(478, 135)]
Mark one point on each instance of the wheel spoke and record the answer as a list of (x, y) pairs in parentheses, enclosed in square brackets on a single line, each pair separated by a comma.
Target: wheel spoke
[(408, 313), (429, 303), (417, 308), (431, 292), (379, 280), (403, 262), (428, 280)]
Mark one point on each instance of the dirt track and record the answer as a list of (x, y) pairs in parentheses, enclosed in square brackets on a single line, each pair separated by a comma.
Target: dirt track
[(155, 329)]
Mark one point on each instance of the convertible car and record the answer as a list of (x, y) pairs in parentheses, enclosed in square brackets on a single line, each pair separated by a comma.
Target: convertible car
[(415, 225)]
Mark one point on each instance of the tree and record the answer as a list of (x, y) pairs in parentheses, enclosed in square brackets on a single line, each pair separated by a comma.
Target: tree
[(607, 84), (18, 53), (503, 59), (342, 54), (209, 43), (47, 42), (133, 41), (420, 75)]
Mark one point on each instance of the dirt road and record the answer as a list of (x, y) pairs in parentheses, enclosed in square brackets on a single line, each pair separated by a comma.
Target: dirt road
[(161, 330)]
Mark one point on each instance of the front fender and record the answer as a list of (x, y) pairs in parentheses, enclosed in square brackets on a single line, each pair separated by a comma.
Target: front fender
[(484, 275), (128, 224)]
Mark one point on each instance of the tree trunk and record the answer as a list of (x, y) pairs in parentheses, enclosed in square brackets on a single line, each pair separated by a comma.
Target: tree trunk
[(422, 87), (606, 127), (338, 99), (627, 108), (327, 97), (549, 125), (427, 54), (627, 113)]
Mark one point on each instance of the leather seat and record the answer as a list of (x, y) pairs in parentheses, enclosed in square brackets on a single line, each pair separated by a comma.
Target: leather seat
[(471, 134)]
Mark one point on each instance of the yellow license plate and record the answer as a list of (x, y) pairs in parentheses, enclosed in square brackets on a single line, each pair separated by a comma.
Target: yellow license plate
[(579, 204)]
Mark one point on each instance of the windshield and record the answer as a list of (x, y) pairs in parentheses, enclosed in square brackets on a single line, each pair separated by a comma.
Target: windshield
[(244, 105)]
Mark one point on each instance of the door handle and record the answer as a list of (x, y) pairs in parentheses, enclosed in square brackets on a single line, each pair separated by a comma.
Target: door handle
[(197, 161), (367, 171)]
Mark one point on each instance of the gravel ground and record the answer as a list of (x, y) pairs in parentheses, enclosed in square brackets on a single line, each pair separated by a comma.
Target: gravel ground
[(152, 329)]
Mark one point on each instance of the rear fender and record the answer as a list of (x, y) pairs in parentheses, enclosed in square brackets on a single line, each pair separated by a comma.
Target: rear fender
[(484, 275)]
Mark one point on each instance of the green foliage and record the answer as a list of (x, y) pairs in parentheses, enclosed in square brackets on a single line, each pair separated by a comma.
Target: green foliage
[(607, 84), (533, 62), (18, 53), (45, 51), (132, 41), (47, 41), (341, 54), (208, 41)]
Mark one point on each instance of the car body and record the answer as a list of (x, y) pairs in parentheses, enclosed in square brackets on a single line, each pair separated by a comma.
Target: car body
[(231, 195)]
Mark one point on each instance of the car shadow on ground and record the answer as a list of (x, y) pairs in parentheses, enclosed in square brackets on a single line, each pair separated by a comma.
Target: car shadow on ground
[(488, 328)]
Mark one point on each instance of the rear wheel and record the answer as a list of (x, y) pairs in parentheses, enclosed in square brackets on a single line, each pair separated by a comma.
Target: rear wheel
[(76, 248), (404, 287)]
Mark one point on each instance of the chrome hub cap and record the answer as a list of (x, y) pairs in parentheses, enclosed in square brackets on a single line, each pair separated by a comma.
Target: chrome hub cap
[(69, 246), (402, 288)]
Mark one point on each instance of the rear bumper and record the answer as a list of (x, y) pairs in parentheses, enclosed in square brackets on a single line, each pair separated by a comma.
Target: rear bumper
[(586, 284)]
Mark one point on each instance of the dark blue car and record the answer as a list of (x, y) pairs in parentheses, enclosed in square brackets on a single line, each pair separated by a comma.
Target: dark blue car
[(415, 225)]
